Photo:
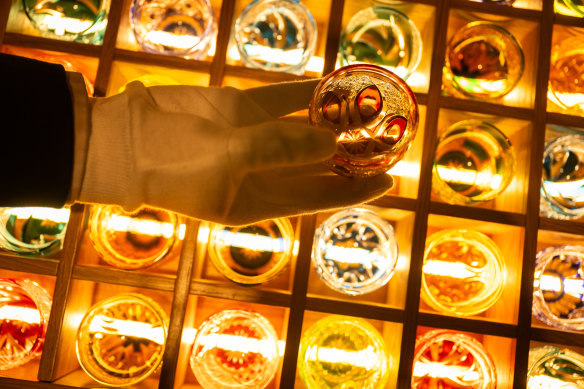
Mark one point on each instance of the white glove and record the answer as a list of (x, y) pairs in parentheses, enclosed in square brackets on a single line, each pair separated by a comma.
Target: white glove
[(217, 154)]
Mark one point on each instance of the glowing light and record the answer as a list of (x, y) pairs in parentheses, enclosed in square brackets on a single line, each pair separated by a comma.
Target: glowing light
[(108, 325), (365, 358), (252, 242), (546, 382), (53, 214), (27, 315), (352, 255), (405, 169), (440, 370), (556, 284), (61, 24), (146, 227), (172, 40), (470, 177), (268, 54), (448, 269)]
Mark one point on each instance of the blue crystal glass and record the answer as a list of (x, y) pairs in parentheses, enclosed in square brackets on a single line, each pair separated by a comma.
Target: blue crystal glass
[(277, 35), (355, 251), (558, 296), (382, 36), (562, 184), (185, 28), (81, 21)]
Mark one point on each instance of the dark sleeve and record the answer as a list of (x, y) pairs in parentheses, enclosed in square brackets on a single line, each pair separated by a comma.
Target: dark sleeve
[(36, 132)]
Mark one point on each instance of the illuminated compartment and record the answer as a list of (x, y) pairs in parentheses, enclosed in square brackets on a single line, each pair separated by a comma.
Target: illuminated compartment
[(319, 12), (518, 132), (135, 335), (528, 4), (123, 72), (393, 292), (565, 88), (508, 240), (148, 241), (357, 356), (127, 40), (241, 262), (558, 294), (500, 351), (61, 20), (553, 365), (423, 17), (24, 315), (526, 34), (238, 356)]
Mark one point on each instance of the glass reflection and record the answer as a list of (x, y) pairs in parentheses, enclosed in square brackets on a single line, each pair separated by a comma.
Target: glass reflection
[(33, 231), (382, 36), (355, 251), (559, 287), (554, 368), (235, 349), (277, 35), (121, 339), (566, 82), (483, 61), (252, 254), (81, 21), (343, 351), (562, 185), (185, 28), (569, 7), (24, 314), (463, 272), (374, 114), (447, 359), (474, 163), (132, 240)]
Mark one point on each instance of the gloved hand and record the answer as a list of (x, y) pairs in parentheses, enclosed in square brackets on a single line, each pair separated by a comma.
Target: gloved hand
[(217, 154)]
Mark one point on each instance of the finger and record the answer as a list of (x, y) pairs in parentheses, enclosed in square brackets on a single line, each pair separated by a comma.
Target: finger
[(283, 98), (264, 197), (279, 144)]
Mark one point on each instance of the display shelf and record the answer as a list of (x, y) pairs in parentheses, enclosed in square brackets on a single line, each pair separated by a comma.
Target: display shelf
[(192, 290)]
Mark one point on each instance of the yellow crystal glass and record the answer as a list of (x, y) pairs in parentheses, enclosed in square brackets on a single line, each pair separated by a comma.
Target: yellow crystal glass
[(566, 81)]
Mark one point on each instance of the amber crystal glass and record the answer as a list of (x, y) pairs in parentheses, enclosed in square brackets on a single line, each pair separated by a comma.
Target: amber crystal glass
[(463, 272), (132, 240), (474, 163), (24, 314), (235, 349), (483, 61), (121, 339), (443, 358), (374, 114), (558, 296), (252, 254), (343, 352), (566, 81)]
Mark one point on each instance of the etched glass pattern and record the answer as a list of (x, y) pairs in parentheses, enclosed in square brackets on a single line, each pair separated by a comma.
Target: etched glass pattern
[(374, 114), (24, 314), (342, 351), (121, 339), (483, 61), (184, 28), (33, 231), (474, 163), (447, 359), (277, 35), (132, 240), (235, 349), (559, 287), (355, 251), (562, 185), (252, 254), (73, 20), (382, 36), (463, 272), (554, 368)]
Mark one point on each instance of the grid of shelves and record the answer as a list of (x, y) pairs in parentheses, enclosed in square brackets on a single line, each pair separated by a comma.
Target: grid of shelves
[(189, 292)]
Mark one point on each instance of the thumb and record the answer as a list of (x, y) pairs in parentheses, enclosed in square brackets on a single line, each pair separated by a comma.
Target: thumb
[(280, 144)]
